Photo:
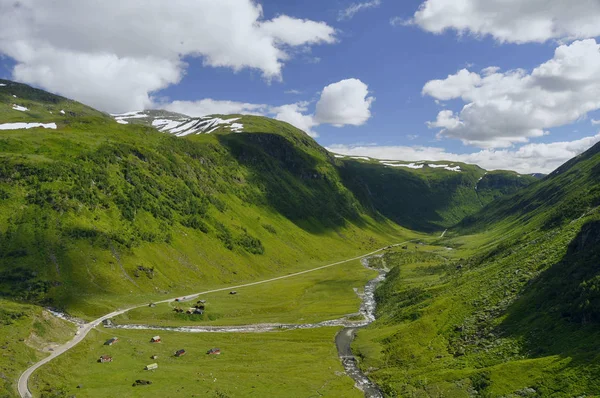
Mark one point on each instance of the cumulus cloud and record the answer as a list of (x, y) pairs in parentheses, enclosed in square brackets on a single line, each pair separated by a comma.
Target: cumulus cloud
[(503, 108), (453, 86), (530, 158), (351, 11), (515, 21), (595, 122), (113, 54), (344, 103), (298, 32), (295, 114)]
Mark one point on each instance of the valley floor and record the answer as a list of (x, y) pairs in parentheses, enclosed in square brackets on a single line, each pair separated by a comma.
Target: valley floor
[(458, 317), (307, 292)]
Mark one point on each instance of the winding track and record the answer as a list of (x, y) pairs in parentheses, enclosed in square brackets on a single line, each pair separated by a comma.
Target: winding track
[(23, 385)]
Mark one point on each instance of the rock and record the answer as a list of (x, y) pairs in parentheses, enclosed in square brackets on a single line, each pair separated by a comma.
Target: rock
[(526, 392), (80, 386)]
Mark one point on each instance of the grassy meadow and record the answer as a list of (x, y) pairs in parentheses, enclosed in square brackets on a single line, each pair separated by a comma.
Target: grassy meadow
[(278, 364), (317, 296)]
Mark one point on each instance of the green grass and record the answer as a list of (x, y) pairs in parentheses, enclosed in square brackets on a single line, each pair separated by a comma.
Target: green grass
[(427, 199), (279, 364), (86, 207), (322, 295), (26, 334), (98, 215), (500, 315)]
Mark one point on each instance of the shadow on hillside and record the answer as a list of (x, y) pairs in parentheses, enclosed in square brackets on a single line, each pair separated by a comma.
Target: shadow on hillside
[(559, 312), (293, 181), (397, 194)]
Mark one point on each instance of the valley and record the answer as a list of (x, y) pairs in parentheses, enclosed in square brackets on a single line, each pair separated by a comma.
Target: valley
[(491, 276)]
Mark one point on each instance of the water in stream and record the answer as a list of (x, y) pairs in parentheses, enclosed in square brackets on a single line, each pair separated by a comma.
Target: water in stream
[(344, 338)]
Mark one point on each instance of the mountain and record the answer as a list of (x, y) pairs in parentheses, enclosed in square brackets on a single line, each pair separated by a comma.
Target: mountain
[(439, 194), (568, 193), (510, 309), (95, 209), (427, 196), (101, 211)]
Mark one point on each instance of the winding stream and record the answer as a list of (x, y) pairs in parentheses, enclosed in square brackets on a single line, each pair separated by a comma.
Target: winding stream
[(344, 338)]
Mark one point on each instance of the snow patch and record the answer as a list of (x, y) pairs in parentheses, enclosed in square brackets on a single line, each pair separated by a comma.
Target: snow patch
[(197, 126), (237, 127), (438, 166), (339, 156), (359, 158), (410, 165), (122, 121), (62, 112), (2, 85), (26, 126), (182, 127), (19, 108), (455, 169)]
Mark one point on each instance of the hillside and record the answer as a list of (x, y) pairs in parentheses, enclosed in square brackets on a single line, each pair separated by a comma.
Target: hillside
[(427, 196), (512, 310), (102, 212), (569, 192), (95, 208), (439, 194)]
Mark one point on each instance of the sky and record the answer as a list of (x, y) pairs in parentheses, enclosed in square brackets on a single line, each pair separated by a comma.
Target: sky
[(505, 84)]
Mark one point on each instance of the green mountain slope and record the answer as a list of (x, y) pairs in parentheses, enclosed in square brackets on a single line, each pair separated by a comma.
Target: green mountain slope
[(569, 192), (512, 311), (430, 198), (97, 212)]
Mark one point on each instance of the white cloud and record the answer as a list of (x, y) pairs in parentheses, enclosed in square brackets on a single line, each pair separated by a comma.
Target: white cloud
[(295, 114), (298, 32), (399, 21), (453, 86), (214, 107), (295, 92), (351, 11), (515, 21), (512, 107), (141, 44), (344, 103), (445, 120), (530, 158), (595, 122)]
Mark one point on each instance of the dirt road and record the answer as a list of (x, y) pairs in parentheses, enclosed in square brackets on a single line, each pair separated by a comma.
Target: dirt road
[(23, 385)]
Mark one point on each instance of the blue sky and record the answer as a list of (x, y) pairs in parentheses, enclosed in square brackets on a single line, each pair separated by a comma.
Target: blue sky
[(525, 128)]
